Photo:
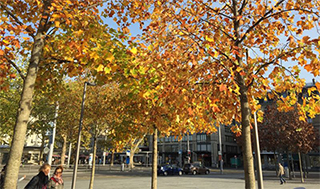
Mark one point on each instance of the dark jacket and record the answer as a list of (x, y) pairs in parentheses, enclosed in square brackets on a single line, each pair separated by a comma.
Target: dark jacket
[(39, 181)]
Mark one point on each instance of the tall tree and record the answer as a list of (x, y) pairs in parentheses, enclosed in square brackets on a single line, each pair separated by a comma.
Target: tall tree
[(284, 131), (25, 29), (221, 52), (9, 97)]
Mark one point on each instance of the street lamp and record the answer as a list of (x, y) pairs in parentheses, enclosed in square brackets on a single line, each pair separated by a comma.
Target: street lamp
[(257, 152), (75, 168)]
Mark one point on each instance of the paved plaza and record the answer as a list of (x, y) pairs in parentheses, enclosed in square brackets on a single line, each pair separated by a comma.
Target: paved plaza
[(140, 178)]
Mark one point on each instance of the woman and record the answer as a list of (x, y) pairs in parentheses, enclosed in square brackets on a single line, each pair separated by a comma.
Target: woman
[(41, 180), (56, 181)]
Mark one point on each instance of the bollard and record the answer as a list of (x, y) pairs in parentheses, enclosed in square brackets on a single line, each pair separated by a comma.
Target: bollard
[(286, 172), (122, 166)]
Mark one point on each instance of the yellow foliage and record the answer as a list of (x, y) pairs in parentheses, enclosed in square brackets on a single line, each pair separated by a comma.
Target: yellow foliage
[(100, 68), (134, 50)]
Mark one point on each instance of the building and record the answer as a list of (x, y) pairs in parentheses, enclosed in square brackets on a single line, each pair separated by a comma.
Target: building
[(202, 147), (31, 151)]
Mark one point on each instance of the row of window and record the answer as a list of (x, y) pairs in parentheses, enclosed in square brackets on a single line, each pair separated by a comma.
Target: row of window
[(205, 147), (199, 138)]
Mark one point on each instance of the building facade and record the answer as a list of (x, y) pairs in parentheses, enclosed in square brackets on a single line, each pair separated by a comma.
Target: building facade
[(202, 147)]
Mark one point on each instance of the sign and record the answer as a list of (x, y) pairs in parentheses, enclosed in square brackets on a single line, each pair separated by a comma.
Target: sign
[(46, 150), (128, 152), (180, 152)]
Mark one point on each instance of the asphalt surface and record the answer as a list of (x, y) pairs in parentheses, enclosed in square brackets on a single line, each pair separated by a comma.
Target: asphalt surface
[(140, 178)]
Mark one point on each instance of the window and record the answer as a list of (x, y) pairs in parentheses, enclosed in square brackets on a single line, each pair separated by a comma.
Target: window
[(231, 149), (227, 129), (229, 139), (185, 138), (204, 147), (185, 147), (201, 137)]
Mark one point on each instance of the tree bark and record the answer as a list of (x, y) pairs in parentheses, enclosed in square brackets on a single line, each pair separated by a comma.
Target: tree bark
[(292, 166), (112, 158), (275, 162), (25, 104), (93, 160), (247, 149), (132, 152), (64, 149), (300, 165), (288, 163), (154, 159), (41, 148)]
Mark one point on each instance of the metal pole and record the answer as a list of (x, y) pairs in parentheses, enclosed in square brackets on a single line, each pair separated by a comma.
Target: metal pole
[(188, 147), (75, 168), (220, 151), (69, 153), (258, 157), (53, 135)]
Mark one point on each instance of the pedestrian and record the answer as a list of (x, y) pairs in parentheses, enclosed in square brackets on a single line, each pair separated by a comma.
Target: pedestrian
[(281, 173), (40, 181), (56, 181)]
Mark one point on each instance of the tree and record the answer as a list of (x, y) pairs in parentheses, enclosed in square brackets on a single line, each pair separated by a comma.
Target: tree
[(284, 131), (39, 20), (221, 51), (9, 97)]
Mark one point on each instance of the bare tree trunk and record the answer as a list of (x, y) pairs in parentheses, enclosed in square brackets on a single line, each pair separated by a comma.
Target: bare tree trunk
[(246, 136), (292, 166), (288, 163), (132, 152), (112, 158), (25, 105), (93, 160), (300, 164), (305, 166), (275, 162), (64, 149), (154, 159), (41, 148)]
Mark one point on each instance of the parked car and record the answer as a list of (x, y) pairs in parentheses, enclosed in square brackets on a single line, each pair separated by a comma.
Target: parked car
[(169, 169), (195, 168)]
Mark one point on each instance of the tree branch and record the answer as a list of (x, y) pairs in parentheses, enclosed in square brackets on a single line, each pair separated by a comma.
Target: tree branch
[(259, 21), (16, 19), (15, 66)]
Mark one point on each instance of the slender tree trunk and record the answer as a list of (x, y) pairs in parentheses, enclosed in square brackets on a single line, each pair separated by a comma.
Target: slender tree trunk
[(41, 148), (305, 166), (112, 158), (154, 159), (292, 165), (64, 149), (132, 152), (288, 163), (275, 162), (246, 138), (131, 158), (25, 105), (300, 164), (93, 161)]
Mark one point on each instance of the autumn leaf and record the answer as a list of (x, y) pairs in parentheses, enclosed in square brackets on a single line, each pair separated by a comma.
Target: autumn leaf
[(318, 85), (134, 50), (222, 87)]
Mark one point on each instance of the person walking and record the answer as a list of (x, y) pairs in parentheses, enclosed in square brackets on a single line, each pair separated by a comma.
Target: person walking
[(40, 181), (281, 173), (56, 181)]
